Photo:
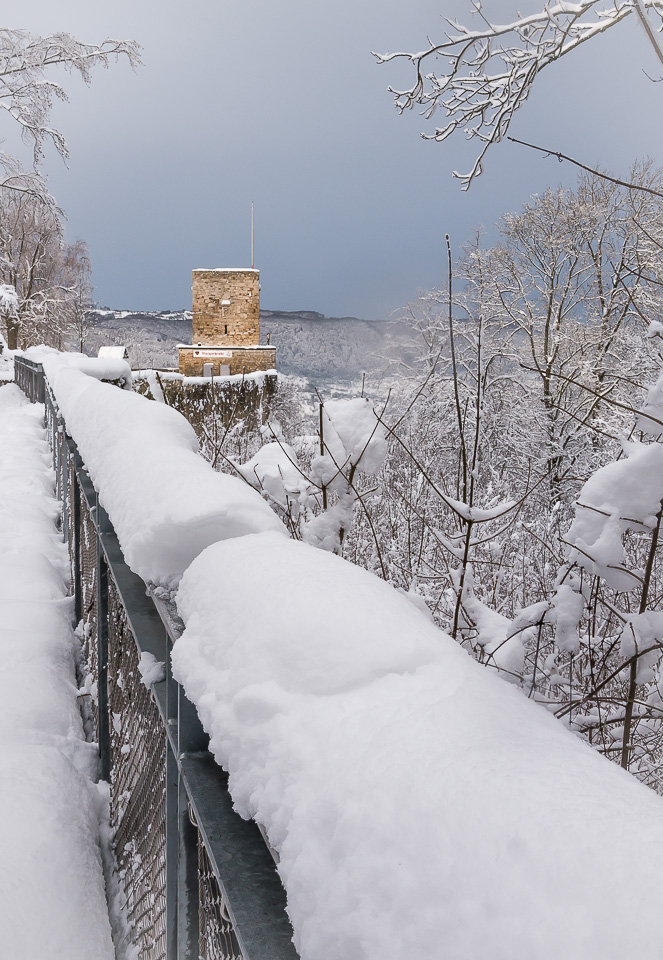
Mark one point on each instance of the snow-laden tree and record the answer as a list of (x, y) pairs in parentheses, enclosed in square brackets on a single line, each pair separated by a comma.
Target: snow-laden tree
[(597, 660), (574, 273), (489, 69), (77, 318), (49, 276), (516, 398), (28, 90), (317, 494)]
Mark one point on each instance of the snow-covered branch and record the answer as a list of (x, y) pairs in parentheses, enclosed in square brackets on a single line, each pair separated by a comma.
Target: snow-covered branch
[(489, 71), (26, 92)]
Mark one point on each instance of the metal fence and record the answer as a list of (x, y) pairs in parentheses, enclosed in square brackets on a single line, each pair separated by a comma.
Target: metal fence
[(199, 882)]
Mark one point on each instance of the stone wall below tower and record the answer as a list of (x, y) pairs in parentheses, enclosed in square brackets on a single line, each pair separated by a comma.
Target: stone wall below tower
[(225, 360)]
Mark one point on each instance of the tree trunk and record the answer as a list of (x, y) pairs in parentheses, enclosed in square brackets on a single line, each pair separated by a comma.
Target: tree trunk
[(12, 333)]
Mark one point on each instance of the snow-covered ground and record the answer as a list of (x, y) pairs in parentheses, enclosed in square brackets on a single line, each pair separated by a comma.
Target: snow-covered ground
[(52, 896)]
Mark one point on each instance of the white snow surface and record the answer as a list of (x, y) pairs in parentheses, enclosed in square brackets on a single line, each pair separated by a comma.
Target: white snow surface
[(8, 299), (421, 807), (275, 470), (650, 418), (51, 881), (101, 368), (164, 500), (151, 670), (623, 495), (352, 435)]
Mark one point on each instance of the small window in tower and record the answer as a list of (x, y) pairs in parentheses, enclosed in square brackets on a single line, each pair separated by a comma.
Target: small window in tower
[(225, 328)]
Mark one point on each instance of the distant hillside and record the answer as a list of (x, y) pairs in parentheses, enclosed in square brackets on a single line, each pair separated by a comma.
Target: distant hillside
[(152, 338), (309, 344)]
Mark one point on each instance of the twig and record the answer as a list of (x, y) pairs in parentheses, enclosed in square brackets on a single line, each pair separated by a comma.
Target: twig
[(562, 156)]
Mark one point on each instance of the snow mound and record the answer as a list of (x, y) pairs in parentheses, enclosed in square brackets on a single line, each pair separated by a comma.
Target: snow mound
[(420, 806), (164, 500), (108, 368), (621, 496)]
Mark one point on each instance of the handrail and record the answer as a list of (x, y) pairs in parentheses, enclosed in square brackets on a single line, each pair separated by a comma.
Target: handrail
[(201, 826)]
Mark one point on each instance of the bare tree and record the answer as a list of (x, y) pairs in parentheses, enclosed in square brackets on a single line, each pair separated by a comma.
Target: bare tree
[(573, 274), (51, 280), (78, 319), (490, 70)]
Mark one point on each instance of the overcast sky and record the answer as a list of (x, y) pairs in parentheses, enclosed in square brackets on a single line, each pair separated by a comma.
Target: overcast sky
[(282, 103)]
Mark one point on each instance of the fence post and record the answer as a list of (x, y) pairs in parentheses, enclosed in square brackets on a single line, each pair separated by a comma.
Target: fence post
[(64, 493), (191, 739), (64, 463), (188, 896), (103, 726), (172, 858), (76, 508)]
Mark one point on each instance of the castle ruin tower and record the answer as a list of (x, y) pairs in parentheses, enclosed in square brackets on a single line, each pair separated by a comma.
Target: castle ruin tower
[(226, 326)]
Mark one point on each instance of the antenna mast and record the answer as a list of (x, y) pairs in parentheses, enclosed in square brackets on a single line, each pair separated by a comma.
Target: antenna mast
[(252, 234)]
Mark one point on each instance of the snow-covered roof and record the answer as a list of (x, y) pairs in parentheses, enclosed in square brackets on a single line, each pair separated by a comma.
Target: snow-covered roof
[(113, 353)]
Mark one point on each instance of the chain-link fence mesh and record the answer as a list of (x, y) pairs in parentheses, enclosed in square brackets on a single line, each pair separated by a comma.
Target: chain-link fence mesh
[(138, 787), (30, 378)]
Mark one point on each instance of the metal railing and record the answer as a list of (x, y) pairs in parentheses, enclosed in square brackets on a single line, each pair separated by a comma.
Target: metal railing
[(29, 377), (199, 881)]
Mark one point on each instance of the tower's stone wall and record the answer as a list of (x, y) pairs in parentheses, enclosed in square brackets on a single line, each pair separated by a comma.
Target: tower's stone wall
[(226, 307), (226, 326)]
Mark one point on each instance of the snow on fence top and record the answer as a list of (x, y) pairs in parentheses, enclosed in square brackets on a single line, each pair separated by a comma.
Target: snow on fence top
[(164, 500), (421, 807)]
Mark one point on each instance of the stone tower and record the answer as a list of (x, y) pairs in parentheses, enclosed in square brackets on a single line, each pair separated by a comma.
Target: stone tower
[(226, 325)]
